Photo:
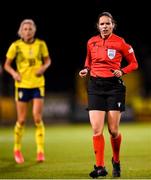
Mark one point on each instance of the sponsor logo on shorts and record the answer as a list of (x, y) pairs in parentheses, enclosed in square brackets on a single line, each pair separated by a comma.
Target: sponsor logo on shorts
[(20, 94)]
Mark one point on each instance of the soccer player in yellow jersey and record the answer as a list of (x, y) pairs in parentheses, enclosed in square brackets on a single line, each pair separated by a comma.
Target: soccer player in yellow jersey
[(32, 60)]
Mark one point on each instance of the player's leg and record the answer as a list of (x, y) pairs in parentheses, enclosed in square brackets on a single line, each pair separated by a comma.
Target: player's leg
[(40, 129), (19, 129), (115, 138), (115, 104), (97, 123)]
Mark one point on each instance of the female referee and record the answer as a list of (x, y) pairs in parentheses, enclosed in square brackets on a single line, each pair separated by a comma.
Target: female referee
[(106, 90)]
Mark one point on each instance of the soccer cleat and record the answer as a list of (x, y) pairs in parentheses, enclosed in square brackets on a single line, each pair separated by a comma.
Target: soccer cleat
[(116, 169), (40, 157), (98, 171), (18, 157)]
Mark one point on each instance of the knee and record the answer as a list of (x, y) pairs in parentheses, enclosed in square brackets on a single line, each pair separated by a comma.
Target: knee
[(113, 132), (97, 131)]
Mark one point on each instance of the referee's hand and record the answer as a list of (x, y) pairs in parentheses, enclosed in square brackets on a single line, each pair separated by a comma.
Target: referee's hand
[(83, 72), (117, 73)]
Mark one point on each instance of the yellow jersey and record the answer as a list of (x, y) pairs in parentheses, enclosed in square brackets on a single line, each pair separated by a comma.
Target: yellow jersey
[(29, 58)]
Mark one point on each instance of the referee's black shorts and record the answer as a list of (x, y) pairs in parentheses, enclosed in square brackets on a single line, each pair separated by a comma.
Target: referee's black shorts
[(106, 94)]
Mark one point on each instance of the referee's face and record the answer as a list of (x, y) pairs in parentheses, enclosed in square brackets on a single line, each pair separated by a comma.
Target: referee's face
[(105, 26)]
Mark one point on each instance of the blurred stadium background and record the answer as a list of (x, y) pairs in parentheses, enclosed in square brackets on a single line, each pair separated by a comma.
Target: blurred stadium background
[(71, 106), (65, 91)]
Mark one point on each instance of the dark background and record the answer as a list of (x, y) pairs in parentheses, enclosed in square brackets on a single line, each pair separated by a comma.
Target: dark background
[(67, 25)]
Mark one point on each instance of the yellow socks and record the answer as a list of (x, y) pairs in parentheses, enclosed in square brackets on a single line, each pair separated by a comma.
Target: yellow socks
[(40, 136), (18, 132)]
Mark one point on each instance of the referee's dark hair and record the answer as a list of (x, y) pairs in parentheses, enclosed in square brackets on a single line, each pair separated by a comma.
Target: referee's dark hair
[(108, 14)]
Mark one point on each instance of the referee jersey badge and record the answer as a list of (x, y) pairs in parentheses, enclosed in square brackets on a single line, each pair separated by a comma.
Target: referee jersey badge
[(111, 53)]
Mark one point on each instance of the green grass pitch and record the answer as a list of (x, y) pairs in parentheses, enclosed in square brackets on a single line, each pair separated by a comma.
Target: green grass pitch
[(69, 153)]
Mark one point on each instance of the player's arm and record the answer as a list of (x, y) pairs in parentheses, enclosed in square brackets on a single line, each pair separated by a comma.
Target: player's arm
[(7, 66), (130, 57), (132, 63), (87, 64), (46, 63)]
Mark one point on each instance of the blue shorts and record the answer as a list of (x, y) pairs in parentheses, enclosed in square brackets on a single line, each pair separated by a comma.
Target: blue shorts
[(27, 94), (106, 94)]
